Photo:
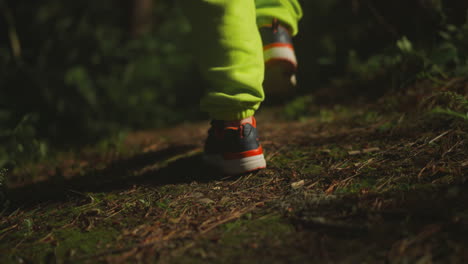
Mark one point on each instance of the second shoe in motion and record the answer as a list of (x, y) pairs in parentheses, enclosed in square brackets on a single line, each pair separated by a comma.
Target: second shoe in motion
[(280, 60)]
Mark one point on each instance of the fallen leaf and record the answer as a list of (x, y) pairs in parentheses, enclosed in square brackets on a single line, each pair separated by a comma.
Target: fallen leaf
[(370, 150), (332, 187), (206, 201)]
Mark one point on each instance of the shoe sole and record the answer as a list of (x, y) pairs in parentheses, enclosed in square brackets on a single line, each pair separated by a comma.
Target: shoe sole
[(236, 167)]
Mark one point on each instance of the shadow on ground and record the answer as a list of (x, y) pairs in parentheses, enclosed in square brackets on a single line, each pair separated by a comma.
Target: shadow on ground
[(173, 165)]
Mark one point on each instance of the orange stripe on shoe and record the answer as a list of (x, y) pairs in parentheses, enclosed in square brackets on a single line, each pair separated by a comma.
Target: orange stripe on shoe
[(291, 65), (253, 121), (241, 155)]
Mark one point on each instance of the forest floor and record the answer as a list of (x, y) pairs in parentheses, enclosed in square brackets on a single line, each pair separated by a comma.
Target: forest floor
[(352, 183)]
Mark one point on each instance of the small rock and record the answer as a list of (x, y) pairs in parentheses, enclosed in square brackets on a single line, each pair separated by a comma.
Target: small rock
[(297, 185)]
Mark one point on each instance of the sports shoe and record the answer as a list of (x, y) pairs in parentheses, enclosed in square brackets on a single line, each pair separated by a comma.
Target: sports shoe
[(234, 147), (280, 60)]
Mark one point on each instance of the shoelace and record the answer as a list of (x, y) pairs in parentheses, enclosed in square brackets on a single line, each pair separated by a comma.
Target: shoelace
[(275, 25)]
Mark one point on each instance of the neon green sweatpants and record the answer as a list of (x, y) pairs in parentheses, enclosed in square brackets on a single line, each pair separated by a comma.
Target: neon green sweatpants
[(229, 50)]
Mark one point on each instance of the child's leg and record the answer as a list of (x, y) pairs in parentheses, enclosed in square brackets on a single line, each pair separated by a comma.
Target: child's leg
[(229, 51), (288, 12)]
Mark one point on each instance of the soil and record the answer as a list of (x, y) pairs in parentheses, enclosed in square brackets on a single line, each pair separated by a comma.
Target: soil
[(344, 184)]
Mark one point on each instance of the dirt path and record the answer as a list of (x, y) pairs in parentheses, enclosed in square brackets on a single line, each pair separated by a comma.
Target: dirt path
[(343, 186)]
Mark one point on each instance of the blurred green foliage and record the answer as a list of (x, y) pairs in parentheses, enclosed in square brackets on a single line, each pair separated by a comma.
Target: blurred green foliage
[(396, 41), (80, 75), (70, 72)]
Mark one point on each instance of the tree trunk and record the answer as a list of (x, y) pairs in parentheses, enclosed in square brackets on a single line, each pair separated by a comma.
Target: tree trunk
[(141, 17)]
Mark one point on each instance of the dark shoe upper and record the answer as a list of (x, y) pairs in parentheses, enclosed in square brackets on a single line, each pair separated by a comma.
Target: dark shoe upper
[(232, 140), (275, 34)]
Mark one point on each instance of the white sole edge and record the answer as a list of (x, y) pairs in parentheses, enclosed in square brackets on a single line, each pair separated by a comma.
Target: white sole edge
[(285, 53), (235, 167)]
